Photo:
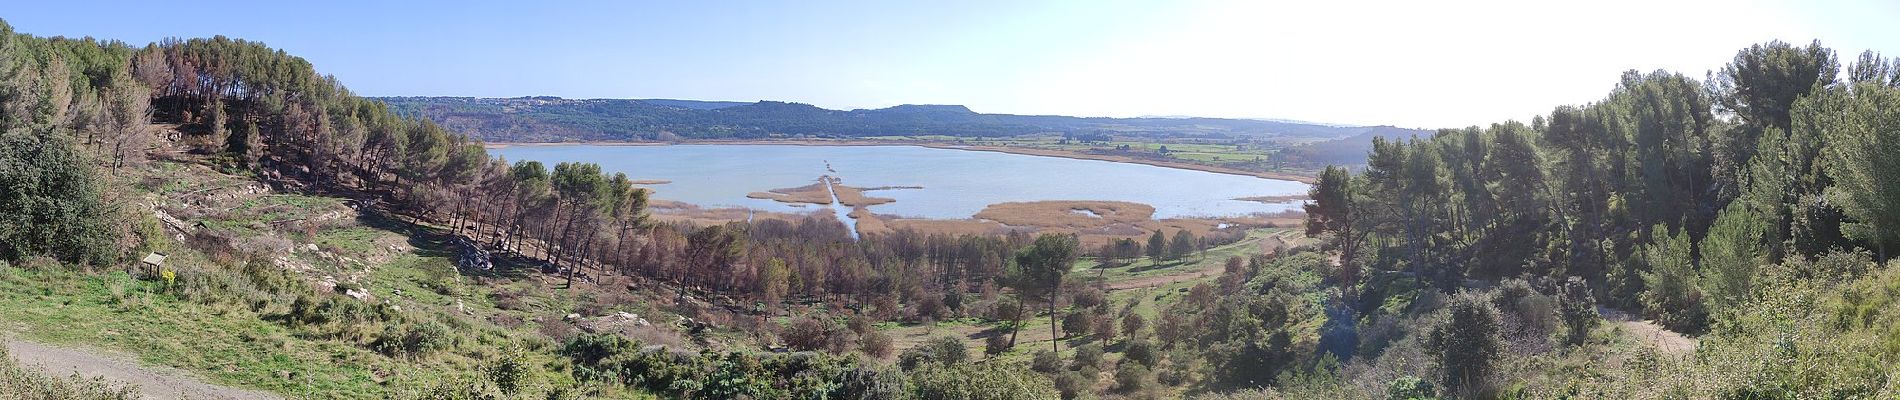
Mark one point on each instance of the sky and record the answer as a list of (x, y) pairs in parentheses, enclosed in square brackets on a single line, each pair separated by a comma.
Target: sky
[(1406, 63)]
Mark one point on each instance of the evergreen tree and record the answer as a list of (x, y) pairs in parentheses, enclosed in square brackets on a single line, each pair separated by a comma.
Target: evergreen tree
[(1465, 344), (1182, 246), (1157, 247), (1043, 265), (1862, 127)]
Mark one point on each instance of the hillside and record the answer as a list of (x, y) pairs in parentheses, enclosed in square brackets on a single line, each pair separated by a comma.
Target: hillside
[(553, 119), (219, 207)]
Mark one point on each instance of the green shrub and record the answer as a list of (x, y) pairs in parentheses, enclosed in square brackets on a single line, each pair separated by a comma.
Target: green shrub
[(986, 381), (875, 344), (1088, 355), (1045, 361), (1465, 343), (945, 350), (1141, 351), (1410, 388), (1071, 384), (1077, 324), (1578, 310), (1671, 295), (1175, 373), (510, 371), (996, 344), (872, 383), (52, 203), (1130, 377), (414, 340)]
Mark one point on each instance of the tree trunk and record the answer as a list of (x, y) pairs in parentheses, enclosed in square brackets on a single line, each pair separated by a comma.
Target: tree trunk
[(1016, 326), (1054, 338)]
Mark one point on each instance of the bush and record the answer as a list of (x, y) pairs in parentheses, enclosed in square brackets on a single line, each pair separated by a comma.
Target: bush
[(872, 383), (52, 204), (510, 371), (1077, 324), (1670, 294), (1130, 377), (1006, 309), (1045, 361), (1175, 374), (1410, 388), (1578, 310), (1465, 344), (1141, 351), (1087, 298), (875, 344), (1071, 384), (1526, 316), (986, 381), (1088, 355), (996, 344), (414, 340), (1132, 324), (1104, 328), (806, 334), (944, 350)]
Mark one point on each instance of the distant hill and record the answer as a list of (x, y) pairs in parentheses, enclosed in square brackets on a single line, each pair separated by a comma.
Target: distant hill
[(554, 119), (1348, 151), (693, 104)]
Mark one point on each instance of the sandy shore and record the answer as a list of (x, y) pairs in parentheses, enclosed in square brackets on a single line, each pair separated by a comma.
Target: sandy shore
[(951, 146)]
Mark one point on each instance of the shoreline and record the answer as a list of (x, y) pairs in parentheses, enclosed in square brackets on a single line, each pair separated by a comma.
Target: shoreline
[(947, 146)]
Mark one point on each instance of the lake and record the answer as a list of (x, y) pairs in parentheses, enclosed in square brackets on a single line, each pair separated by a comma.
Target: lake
[(955, 183)]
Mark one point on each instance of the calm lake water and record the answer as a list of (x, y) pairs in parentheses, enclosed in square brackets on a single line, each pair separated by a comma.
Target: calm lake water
[(956, 183)]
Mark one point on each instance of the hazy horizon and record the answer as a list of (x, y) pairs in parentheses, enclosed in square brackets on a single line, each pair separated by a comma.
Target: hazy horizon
[(1358, 63)]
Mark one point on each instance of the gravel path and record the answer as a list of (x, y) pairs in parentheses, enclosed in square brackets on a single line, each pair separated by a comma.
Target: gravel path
[(1669, 342), (157, 383)]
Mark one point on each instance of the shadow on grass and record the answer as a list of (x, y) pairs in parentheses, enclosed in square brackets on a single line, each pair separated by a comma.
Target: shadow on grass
[(434, 242), (1138, 268)]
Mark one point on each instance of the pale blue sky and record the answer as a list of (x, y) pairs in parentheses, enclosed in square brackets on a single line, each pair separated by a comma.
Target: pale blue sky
[(1415, 64)]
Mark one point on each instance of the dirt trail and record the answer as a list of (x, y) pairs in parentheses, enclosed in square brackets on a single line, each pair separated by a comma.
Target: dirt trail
[(158, 383), (1669, 342)]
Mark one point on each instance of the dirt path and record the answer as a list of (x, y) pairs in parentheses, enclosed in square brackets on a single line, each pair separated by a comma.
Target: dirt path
[(1669, 342), (158, 383)]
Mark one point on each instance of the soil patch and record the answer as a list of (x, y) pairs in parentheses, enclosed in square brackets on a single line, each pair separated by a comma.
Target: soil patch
[(153, 382)]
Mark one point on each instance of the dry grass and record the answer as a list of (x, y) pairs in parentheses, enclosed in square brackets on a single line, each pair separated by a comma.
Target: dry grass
[(1280, 199), (1066, 214), (855, 197), (817, 194), (668, 211), (810, 194)]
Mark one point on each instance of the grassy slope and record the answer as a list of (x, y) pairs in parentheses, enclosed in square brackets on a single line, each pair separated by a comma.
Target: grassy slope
[(238, 346)]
